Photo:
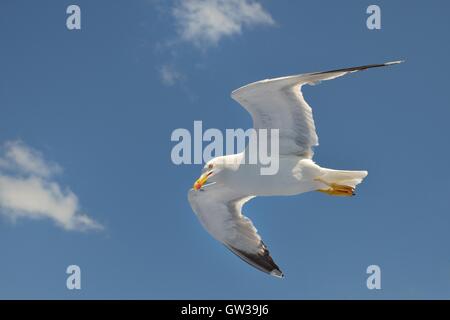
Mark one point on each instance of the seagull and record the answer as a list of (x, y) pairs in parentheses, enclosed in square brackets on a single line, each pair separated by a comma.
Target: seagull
[(227, 183)]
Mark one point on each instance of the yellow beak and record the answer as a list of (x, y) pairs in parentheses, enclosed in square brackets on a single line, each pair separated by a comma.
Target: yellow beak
[(202, 180)]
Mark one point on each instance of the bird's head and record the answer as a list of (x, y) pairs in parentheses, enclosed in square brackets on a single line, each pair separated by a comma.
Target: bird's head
[(211, 169)]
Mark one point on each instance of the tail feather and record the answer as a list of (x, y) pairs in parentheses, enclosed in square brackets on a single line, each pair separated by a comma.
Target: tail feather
[(342, 177)]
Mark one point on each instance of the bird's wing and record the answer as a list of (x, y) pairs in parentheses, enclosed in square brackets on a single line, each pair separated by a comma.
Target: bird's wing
[(219, 211), (279, 104)]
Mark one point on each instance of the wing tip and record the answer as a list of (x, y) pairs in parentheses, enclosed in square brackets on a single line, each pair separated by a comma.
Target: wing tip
[(394, 62), (360, 68), (277, 273), (236, 94), (262, 261)]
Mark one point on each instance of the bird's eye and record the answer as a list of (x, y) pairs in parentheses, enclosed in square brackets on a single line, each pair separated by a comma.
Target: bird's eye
[(210, 166)]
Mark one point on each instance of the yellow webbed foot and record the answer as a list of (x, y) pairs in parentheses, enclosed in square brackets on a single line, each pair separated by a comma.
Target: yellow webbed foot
[(335, 189)]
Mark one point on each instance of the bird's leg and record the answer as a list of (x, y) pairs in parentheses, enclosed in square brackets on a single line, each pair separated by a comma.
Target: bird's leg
[(335, 189)]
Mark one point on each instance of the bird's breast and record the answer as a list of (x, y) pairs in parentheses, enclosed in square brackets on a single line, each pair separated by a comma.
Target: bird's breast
[(293, 177)]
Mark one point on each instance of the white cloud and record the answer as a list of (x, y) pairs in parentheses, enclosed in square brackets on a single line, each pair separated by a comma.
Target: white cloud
[(27, 189), (25, 159), (169, 75), (205, 22)]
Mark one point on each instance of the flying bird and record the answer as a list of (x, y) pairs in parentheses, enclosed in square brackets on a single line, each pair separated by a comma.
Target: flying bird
[(227, 183)]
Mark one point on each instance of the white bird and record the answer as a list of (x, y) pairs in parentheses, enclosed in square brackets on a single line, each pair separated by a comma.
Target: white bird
[(273, 104)]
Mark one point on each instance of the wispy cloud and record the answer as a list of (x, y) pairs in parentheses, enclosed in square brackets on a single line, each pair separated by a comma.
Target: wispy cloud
[(205, 22), (21, 158), (169, 75), (28, 189)]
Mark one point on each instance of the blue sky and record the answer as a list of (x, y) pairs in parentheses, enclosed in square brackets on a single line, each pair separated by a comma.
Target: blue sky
[(96, 107)]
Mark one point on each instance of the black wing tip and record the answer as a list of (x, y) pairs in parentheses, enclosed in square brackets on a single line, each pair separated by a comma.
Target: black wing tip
[(361, 68), (277, 273), (262, 261)]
